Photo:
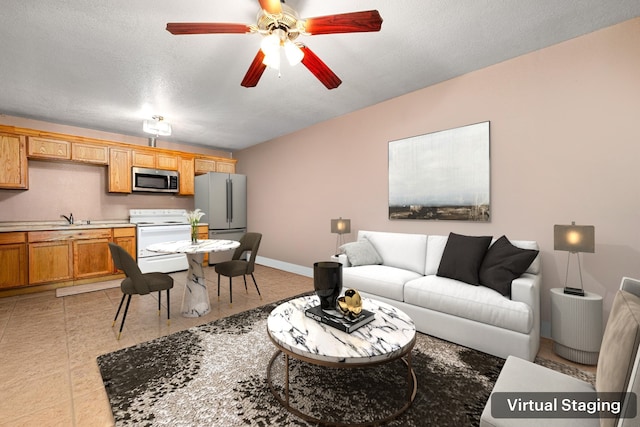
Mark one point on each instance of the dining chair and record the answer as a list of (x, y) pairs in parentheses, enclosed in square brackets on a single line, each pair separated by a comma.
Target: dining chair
[(241, 267), (138, 283)]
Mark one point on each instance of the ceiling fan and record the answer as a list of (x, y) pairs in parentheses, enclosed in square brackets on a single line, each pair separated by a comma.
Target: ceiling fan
[(280, 26)]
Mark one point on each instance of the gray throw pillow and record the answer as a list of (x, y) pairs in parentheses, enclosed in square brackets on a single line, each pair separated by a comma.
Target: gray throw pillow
[(361, 252)]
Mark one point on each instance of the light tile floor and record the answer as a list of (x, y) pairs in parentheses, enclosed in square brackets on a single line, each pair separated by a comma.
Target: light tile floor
[(48, 345)]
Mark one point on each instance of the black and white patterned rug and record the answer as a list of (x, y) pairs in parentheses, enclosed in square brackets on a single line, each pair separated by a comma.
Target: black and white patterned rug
[(215, 375)]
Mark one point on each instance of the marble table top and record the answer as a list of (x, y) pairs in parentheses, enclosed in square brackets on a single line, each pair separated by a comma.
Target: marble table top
[(186, 247), (386, 337)]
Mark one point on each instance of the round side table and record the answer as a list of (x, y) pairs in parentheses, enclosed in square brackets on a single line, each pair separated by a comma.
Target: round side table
[(576, 326)]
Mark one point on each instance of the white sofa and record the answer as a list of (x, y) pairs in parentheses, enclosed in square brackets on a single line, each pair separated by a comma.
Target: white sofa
[(473, 316)]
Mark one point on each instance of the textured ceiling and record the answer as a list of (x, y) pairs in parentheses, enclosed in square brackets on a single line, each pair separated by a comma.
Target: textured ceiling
[(110, 65)]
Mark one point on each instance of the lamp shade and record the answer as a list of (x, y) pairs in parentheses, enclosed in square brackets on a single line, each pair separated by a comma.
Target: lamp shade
[(340, 226), (574, 238)]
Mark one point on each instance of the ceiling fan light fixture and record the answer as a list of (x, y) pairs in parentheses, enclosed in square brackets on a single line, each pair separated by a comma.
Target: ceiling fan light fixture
[(157, 126), (270, 44), (272, 60), (293, 52)]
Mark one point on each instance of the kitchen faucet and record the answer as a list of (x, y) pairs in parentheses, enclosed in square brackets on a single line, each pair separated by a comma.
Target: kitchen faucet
[(68, 218)]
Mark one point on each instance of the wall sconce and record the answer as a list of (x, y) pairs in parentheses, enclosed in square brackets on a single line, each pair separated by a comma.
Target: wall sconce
[(574, 239), (340, 226)]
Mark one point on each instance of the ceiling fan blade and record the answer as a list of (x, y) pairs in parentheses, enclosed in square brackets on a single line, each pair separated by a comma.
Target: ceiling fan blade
[(271, 6), (179, 28), (319, 69), (255, 71), (354, 22)]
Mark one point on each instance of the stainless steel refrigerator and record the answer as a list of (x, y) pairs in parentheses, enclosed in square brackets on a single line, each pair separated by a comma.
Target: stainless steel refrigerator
[(223, 199)]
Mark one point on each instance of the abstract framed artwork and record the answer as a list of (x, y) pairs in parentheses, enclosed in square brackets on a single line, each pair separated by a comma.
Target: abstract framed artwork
[(443, 175)]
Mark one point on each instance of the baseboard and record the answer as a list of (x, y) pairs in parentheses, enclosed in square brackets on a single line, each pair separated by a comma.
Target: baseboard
[(285, 266), (545, 329), (89, 287)]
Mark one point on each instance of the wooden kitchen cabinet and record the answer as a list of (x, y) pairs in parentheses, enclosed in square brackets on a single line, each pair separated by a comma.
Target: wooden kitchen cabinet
[(13, 162), (187, 181), (225, 167), (119, 170), (13, 260), (91, 254), (203, 234), (143, 158), (204, 166), (148, 158), (87, 152), (45, 148), (167, 161), (125, 237), (75, 254), (50, 256), (19, 144)]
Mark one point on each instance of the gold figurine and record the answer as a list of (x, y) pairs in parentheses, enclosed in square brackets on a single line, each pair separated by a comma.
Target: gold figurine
[(350, 304)]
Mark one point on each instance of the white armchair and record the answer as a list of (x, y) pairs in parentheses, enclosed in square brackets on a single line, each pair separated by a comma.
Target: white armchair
[(617, 369)]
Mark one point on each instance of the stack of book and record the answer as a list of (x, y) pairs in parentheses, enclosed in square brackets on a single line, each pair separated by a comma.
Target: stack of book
[(337, 320)]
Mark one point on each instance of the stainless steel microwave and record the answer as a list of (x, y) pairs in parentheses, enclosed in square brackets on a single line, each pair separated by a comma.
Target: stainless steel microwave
[(154, 180)]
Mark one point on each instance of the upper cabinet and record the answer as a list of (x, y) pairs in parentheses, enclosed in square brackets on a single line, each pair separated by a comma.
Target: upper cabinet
[(17, 145), (58, 149), (90, 153), (13, 162), (119, 170), (187, 181), (44, 148), (225, 166), (205, 165), (151, 158), (167, 161)]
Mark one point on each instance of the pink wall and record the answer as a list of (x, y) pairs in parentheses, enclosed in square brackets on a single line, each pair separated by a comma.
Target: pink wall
[(565, 144)]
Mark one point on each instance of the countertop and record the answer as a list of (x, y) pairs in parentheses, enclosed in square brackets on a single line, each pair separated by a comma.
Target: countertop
[(61, 225)]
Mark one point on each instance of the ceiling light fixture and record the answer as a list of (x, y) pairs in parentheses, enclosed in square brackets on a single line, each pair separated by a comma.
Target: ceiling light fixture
[(271, 45), (157, 126)]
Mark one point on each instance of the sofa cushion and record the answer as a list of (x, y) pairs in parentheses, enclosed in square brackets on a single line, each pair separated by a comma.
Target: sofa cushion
[(476, 303), (378, 280), (400, 250), (462, 257), (502, 264), (619, 345), (361, 252), (520, 376), (435, 248)]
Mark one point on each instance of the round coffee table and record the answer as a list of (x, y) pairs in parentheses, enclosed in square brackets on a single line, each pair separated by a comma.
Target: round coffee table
[(390, 336)]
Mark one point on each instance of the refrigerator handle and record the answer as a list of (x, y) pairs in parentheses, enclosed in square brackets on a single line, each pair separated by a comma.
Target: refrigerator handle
[(229, 200)]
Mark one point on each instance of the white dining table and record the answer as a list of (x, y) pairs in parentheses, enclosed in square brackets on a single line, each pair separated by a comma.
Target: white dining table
[(195, 301)]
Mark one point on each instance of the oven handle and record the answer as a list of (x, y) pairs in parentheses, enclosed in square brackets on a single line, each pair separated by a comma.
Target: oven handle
[(163, 229)]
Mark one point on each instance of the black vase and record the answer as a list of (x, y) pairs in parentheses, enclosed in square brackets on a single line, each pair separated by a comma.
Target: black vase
[(327, 282)]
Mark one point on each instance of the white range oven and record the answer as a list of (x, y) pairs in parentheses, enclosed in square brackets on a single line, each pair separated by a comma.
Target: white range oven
[(156, 226)]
